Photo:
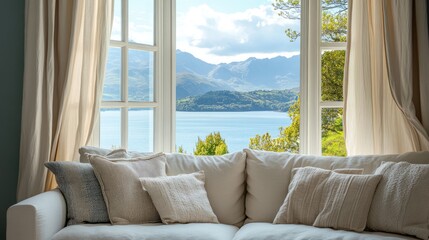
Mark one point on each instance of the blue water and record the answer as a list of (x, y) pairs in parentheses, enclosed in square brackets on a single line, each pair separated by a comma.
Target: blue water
[(235, 127)]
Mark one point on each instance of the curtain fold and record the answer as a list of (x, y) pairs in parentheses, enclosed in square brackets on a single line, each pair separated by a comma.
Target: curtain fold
[(66, 44), (386, 77)]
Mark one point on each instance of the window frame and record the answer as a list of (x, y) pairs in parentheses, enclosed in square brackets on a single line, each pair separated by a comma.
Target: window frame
[(163, 103), (311, 77)]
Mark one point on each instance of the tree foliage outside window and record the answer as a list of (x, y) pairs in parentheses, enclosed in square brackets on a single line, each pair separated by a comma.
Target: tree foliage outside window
[(213, 144), (334, 29)]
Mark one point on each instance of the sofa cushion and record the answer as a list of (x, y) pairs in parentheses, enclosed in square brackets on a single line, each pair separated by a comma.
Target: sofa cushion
[(346, 200), (301, 205), (82, 192), (207, 231), (181, 198), (123, 194), (400, 203), (225, 181), (268, 231), (269, 174)]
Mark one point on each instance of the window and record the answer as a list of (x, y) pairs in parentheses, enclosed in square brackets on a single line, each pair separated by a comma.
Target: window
[(237, 77), (134, 112), (138, 109), (324, 34)]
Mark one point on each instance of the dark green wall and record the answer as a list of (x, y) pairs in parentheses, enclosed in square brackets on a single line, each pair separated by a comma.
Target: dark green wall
[(11, 72)]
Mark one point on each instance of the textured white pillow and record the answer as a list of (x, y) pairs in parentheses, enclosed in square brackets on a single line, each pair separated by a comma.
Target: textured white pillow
[(346, 200), (301, 205), (400, 203), (181, 198), (225, 181), (125, 199), (325, 198)]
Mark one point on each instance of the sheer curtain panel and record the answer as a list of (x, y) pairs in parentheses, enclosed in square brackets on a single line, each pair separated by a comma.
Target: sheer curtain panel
[(65, 53), (387, 77)]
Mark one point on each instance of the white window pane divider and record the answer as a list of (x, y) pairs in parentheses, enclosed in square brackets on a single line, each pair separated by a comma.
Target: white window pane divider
[(332, 104), (310, 131), (136, 46), (333, 46)]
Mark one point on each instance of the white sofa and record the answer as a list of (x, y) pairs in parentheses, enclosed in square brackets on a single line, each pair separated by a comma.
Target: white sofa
[(245, 190)]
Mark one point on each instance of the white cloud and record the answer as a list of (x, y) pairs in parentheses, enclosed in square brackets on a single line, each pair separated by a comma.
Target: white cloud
[(224, 37)]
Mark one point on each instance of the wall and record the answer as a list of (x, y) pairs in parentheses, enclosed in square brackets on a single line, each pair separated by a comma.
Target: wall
[(11, 71)]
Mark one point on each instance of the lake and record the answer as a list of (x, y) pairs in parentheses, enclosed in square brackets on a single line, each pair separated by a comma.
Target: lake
[(235, 127)]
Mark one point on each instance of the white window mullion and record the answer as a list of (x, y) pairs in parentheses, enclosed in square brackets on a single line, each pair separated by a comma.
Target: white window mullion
[(124, 85), (124, 127), (165, 125), (311, 123)]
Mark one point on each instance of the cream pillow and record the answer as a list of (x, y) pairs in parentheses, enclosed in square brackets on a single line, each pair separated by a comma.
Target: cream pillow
[(301, 205), (346, 200), (400, 203), (181, 198), (126, 201), (225, 181)]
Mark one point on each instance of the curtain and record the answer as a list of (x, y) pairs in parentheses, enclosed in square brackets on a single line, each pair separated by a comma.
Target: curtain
[(386, 84), (65, 53)]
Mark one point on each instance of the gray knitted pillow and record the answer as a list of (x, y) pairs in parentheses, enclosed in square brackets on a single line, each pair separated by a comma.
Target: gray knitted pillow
[(80, 187)]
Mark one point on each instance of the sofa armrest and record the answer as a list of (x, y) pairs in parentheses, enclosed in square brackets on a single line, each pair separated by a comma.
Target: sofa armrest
[(37, 218)]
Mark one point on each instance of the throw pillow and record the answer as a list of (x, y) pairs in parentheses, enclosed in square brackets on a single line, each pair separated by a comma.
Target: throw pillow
[(126, 201), (81, 191), (181, 198), (301, 205), (108, 153), (400, 203), (225, 181), (346, 200)]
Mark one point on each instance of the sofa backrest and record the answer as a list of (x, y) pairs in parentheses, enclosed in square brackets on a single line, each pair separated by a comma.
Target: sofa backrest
[(225, 181), (269, 174)]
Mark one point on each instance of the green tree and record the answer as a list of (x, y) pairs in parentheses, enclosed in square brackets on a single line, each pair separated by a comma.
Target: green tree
[(289, 136), (180, 149), (334, 29), (213, 144)]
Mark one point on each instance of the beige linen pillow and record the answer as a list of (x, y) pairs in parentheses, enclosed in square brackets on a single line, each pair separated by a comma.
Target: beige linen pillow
[(181, 198), (125, 199), (400, 203), (225, 181), (301, 205), (346, 200)]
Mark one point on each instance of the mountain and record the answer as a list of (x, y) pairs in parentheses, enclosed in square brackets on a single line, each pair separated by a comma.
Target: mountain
[(253, 74), (189, 84), (195, 77), (260, 100), (186, 62)]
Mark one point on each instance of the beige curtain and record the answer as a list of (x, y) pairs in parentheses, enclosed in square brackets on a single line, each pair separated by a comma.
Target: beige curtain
[(386, 84), (65, 53)]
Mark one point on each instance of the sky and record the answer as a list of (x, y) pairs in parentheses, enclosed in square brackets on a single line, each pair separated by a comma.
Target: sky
[(218, 31)]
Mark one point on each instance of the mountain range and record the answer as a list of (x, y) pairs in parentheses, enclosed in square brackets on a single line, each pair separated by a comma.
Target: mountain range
[(196, 77), (249, 75), (233, 101)]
